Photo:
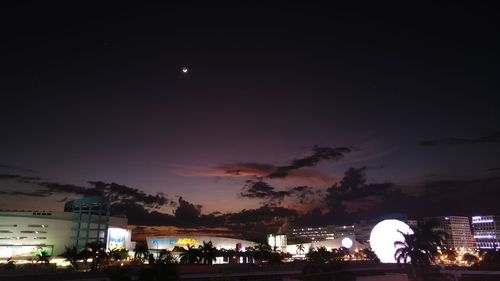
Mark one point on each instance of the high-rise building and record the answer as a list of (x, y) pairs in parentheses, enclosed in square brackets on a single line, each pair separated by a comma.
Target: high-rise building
[(458, 231), (486, 231)]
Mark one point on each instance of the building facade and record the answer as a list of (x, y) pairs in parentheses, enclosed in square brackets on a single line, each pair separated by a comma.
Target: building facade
[(486, 231), (458, 231), (309, 234), (174, 242), (23, 234)]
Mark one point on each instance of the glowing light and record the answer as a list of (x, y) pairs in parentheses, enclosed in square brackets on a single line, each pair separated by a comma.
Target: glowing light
[(186, 241), (116, 238), (184, 70), (347, 243), (383, 236)]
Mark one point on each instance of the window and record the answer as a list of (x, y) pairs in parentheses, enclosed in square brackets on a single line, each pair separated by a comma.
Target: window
[(38, 225), (40, 238), (5, 231), (8, 225)]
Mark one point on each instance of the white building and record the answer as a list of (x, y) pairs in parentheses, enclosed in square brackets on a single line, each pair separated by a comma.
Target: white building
[(349, 242), (23, 234), (158, 243)]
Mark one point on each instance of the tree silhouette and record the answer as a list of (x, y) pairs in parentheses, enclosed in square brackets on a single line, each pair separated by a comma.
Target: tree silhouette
[(141, 251), (191, 255), (118, 254), (420, 249), (72, 256), (370, 255), (165, 257), (97, 252), (319, 255), (208, 252)]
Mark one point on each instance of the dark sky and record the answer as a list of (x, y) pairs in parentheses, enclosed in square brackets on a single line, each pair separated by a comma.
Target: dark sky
[(94, 92)]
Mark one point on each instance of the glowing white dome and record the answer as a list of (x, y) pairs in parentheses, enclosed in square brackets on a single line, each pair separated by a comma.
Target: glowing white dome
[(347, 242), (383, 236)]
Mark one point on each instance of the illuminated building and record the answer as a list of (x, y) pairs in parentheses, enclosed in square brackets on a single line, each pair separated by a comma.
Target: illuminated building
[(458, 231), (349, 242), (277, 242), (309, 234), (25, 233), (360, 231), (486, 231), (173, 242)]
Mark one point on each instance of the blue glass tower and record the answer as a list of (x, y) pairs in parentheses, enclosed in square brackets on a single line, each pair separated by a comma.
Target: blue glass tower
[(91, 221)]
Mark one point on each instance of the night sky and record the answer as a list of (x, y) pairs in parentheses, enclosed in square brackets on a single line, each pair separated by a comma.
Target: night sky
[(281, 99)]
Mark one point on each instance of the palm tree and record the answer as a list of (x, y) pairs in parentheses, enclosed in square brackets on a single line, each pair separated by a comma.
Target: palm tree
[(191, 255), (300, 248), (43, 256), (141, 251), (208, 252), (72, 256), (165, 257), (420, 249)]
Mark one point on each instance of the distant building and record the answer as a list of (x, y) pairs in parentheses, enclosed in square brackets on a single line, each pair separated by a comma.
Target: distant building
[(486, 231), (361, 232), (25, 233), (349, 242), (309, 234), (457, 229), (277, 242), (230, 249)]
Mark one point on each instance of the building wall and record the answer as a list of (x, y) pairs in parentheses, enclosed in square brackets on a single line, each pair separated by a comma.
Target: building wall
[(24, 233), (169, 242), (486, 231), (308, 234), (458, 230), (329, 244), (20, 231)]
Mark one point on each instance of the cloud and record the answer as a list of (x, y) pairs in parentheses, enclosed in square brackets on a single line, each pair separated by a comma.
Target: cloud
[(187, 211), (318, 154), (490, 138), (302, 176), (261, 190), (113, 192), (20, 178), (15, 168)]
